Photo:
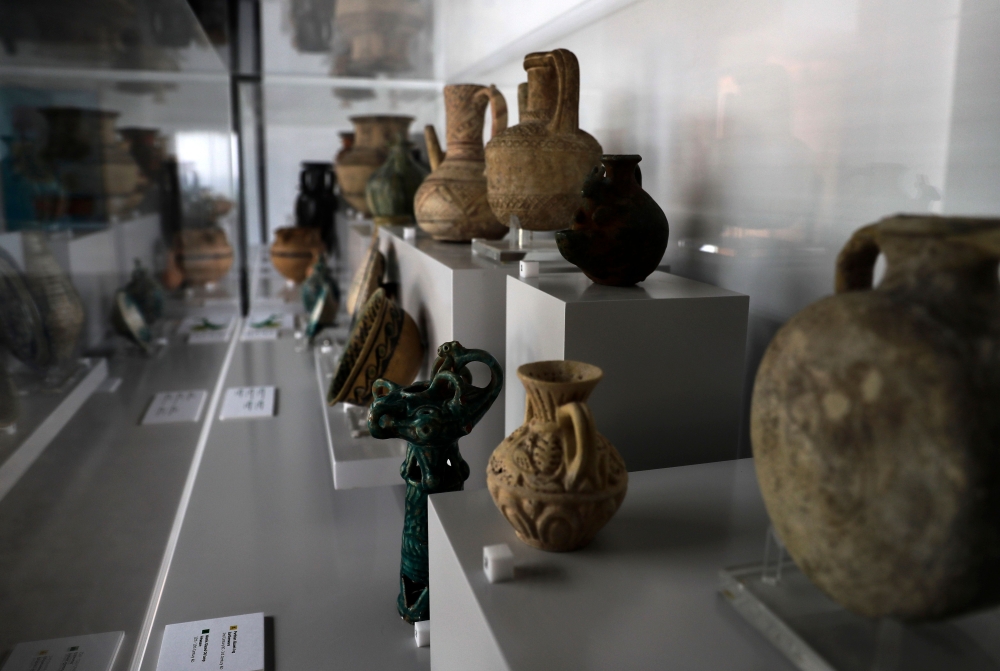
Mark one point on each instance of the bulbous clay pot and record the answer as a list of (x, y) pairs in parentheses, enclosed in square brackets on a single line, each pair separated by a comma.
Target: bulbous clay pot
[(295, 251), (203, 255), (372, 135), (391, 188), (535, 170), (556, 479), (875, 423), (619, 235), (451, 203), (58, 302), (384, 343)]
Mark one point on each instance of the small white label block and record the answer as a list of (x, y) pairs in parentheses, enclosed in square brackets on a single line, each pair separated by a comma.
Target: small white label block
[(225, 643), (410, 233), (529, 268), (94, 652), (248, 403), (422, 633), (498, 562), (175, 406)]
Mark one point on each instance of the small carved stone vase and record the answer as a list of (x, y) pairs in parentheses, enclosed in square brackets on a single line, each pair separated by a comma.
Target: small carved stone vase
[(619, 235), (391, 189), (451, 203), (431, 417), (535, 170), (316, 205), (875, 423), (369, 150), (555, 478)]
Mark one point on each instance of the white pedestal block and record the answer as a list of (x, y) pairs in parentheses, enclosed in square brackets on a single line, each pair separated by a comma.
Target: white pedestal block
[(453, 295), (642, 595), (672, 351)]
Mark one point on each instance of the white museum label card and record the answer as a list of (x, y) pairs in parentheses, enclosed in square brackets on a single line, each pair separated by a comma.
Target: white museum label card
[(175, 406), (248, 403), (233, 643), (93, 652)]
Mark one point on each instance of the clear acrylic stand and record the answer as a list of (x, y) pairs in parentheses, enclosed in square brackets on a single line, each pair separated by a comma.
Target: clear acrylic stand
[(816, 634), (519, 245)]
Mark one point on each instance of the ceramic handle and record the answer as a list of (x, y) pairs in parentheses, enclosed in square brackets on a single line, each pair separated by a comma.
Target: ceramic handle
[(498, 107), (856, 261), (434, 152), (577, 427), (567, 115)]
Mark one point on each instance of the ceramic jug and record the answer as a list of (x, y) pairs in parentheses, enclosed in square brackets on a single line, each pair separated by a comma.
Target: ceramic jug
[(451, 203), (146, 293), (203, 255), (535, 170), (431, 417), (391, 188), (875, 423), (372, 135), (295, 251), (58, 302), (316, 206), (555, 478), (619, 234)]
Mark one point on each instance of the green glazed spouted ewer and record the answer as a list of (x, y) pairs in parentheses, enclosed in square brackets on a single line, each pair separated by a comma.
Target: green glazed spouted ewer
[(430, 417)]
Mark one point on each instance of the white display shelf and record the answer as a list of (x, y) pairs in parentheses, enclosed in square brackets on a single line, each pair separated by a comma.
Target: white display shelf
[(642, 595), (672, 351), (43, 416)]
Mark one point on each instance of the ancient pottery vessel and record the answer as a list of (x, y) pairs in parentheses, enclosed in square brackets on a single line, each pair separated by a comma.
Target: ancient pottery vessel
[(535, 170), (451, 203), (316, 205), (295, 251), (373, 36), (367, 278), (430, 416), (391, 188), (203, 255), (372, 135), (384, 343), (146, 293), (321, 298), (555, 478), (128, 321), (58, 302), (619, 234), (346, 144), (875, 423), (22, 330)]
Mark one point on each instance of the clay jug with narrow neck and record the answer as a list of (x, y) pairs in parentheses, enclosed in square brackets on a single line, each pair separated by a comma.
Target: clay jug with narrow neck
[(451, 203), (536, 169), (875, 423)]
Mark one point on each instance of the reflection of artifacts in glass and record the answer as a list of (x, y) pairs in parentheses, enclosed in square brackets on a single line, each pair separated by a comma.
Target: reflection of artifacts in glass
[(148, 149), (146, 293), (295, 250), (316, 205), (875, 426), (372, 133), (312, 25), (31, 192), (384, 343), (203, 255), (619, 234), (128, 321), (367, 278), (373, 37), (22, 330), (431, 417), (555, 478), (57, 300), (10, 404), (92, 163), (451, 203), (535, 170), (391, 188)]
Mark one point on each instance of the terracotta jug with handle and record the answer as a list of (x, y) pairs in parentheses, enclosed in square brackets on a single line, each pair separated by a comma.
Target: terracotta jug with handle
[(451, 203), (536, 169)]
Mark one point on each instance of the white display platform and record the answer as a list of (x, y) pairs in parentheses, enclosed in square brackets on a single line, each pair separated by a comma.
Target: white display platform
[(356, 460), (642, 595), (454, 295), (672, 351)]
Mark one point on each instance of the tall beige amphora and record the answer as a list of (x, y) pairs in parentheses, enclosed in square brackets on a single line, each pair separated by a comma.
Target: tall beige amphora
[(556, 479), (372, 135), (451, 203), (535, 170)]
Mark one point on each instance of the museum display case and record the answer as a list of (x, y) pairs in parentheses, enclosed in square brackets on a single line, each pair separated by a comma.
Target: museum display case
[(306, 302)]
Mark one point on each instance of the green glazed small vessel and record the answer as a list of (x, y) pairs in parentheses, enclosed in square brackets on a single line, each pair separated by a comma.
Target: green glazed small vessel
[(391, 188)]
